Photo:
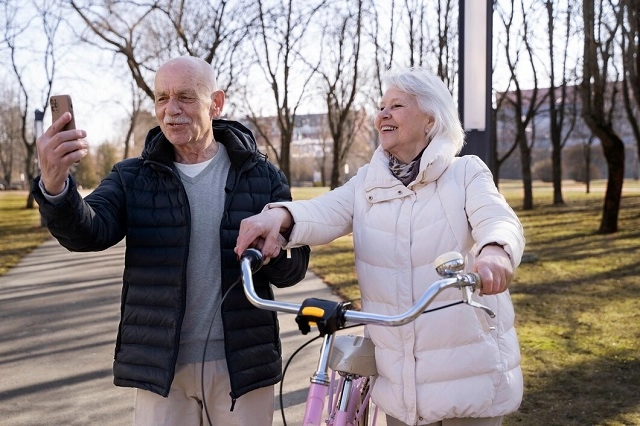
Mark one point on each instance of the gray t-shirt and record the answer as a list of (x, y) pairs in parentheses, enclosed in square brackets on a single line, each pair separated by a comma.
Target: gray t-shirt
[(202, 324)]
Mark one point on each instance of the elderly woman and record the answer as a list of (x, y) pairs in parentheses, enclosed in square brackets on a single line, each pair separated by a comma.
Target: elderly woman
[(414, 201)]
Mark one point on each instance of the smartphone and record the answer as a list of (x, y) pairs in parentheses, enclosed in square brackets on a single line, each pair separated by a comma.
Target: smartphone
[(59, 105)]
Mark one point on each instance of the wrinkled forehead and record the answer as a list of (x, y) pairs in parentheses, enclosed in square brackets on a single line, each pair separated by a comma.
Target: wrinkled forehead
[(393, 94), (184, 75)]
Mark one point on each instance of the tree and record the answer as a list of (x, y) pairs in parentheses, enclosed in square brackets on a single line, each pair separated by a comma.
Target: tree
[(384, 44), (17, 37), (630, 51), (500, 115), (136, 109), (598, 92), (558, 99), (106, 156), (425, 47), (583, 162), (279, 50), (146, 34), (524, 104), (340, 74), (85, 172), (10, 129), (145, 120)]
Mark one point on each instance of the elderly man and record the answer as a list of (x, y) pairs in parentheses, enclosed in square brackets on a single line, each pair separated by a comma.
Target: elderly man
[(188, 340)]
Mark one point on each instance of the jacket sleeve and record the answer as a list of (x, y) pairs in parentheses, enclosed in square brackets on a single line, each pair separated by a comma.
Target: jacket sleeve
[(491, 218), (91, 224), (325, 217), (290, 267)]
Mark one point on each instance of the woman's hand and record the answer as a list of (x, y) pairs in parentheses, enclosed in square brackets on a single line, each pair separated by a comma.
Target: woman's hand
[(262, 231), (58, 151), (495, 269)]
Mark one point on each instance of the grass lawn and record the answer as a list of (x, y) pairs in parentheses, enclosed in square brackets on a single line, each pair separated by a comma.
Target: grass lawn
[(576, 299), (20, 230)]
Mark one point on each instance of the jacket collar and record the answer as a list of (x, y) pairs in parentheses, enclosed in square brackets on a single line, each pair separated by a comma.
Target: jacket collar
[(434, 161), (236, 138)]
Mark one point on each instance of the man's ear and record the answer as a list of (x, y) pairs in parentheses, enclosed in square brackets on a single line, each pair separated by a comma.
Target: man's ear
[(217, 103)]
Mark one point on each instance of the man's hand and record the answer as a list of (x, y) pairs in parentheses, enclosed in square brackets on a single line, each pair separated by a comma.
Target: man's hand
[(262, 231), (495, 269), (58, 151)]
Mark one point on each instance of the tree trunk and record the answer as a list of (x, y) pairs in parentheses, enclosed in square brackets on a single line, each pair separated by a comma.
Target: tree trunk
[(31, 172), (286, 137), (613, 148), (556, 162), (527, 180), (335, 165)]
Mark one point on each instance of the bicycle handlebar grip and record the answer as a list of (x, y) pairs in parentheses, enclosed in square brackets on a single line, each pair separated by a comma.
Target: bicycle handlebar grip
[(255, 258), (477, 280)]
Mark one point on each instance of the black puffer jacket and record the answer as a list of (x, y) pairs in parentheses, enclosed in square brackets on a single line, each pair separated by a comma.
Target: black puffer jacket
[(144, 200)]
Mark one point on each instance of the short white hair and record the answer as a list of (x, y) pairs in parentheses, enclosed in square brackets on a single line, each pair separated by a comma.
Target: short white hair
[(203, 68), (433, 98)]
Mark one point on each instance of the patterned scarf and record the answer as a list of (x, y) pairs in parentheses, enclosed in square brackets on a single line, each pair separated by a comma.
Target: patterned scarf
[(405, 173)]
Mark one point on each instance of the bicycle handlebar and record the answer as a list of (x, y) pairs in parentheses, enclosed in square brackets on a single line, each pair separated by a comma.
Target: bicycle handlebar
[(449, 266)]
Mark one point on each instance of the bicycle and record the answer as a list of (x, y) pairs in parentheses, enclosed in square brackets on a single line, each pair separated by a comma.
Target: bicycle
[(347, 356)]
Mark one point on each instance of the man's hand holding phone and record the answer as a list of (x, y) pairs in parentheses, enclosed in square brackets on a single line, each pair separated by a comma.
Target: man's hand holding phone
[(60, 146)]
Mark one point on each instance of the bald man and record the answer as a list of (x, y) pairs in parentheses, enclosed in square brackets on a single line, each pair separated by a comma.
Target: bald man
[(190, 342)]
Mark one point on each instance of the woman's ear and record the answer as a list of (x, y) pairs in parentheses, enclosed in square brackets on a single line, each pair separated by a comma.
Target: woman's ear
[(429, 124)]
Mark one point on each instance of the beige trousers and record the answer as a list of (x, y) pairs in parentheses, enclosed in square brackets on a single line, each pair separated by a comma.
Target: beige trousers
[(487, 421), (187, 406)]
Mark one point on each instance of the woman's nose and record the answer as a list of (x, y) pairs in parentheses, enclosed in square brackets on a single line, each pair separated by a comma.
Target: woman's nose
[(383, 113)]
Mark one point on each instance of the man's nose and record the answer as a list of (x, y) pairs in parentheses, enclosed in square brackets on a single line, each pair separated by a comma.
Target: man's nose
[(173, 107)]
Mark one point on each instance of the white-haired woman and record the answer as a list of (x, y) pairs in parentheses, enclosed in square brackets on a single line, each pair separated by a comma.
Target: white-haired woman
[(414, 201)]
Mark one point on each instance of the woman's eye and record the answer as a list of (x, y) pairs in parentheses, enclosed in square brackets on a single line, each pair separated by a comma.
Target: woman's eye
[(394, 106)]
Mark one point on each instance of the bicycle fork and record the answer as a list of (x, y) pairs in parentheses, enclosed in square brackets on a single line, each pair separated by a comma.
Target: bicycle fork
[(353, 401), (319, 385)]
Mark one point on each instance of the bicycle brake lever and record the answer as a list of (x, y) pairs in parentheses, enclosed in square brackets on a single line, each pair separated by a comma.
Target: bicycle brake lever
[(468, 292)]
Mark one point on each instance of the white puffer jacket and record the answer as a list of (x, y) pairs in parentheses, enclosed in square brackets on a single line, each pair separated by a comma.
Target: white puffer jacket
[(456, 362)]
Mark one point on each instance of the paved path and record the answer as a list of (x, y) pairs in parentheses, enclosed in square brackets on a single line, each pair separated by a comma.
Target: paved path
[(59, 313)]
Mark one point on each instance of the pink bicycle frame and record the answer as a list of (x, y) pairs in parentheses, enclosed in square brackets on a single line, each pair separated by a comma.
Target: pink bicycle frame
[(319, 386), (315, 404), (349, 398)]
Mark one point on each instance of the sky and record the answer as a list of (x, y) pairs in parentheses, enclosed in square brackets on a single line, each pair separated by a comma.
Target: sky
[(98, 84), (100, 97)]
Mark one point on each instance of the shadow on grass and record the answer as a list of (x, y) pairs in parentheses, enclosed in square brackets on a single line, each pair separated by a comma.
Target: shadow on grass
[(579, 396), (590, 372)]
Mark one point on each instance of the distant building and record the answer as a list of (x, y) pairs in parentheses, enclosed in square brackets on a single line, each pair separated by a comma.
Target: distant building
[(579, 138), (312, 147)]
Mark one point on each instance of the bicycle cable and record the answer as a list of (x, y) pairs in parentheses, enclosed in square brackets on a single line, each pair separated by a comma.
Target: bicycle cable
[(204, 350), (284, 372)]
